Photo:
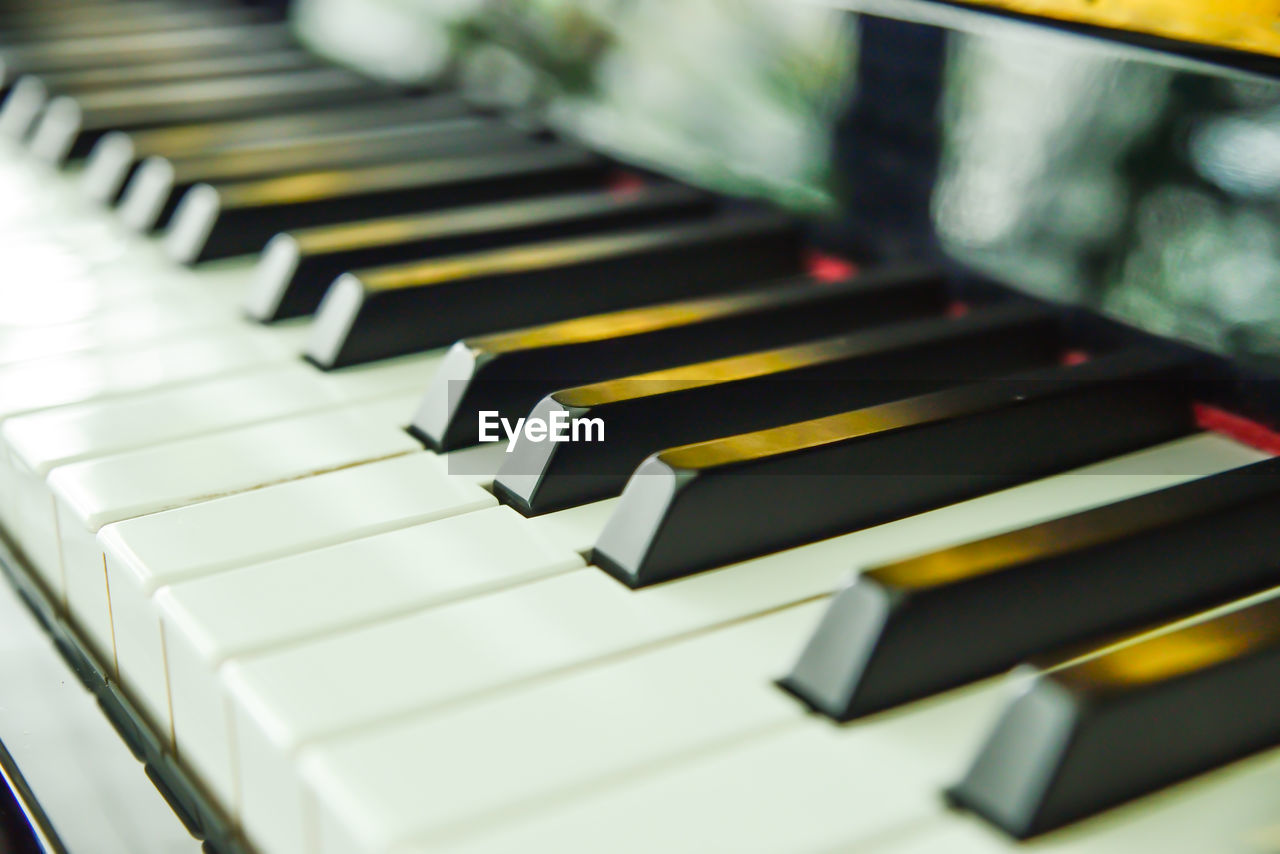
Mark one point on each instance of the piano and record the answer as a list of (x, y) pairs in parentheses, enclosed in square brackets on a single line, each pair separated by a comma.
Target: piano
[(578, 427)]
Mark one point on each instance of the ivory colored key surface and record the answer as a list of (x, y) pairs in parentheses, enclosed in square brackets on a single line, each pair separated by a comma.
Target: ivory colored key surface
[(266, 794), (67, 434), (545, 744), (44, 383), (806, 788), (35, 444), (159, 316), (266, 606), (143, 555), (90, 494), (574, 619)]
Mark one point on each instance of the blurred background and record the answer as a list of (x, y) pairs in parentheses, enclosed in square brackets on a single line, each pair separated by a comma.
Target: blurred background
[(1143, 189)]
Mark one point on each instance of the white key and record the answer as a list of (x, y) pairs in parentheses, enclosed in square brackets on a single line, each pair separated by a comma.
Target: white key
[(138, 321), (577, 527), (94, 493), (584, 616), (287, 699), (45, 383), (266, 606), (35, 444), (810, 786), (143, 555), (1229, 811), (531, 748)]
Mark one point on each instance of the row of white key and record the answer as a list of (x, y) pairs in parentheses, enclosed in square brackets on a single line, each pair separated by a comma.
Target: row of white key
[(284, 701)]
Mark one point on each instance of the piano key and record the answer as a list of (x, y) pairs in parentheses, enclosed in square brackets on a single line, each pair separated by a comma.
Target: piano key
[(123, 21), (695, 506), (509, 372), (546, 742), (70, 126), (117, 155), (35, 444), (565, 621), (30, 94), (643, 413), (401, 309), (307, 596), (151, 197), (82, 80), (1129, 720), (577, 528), (815, 567), (47, 439), (90, 494), (46, 383), (56, 381), (135, 320), (1229, 810), (222, 220), (137, 49), (376, 789), (792, 790), (1037, 589), (25, 15), (150, 553), (297, 267)]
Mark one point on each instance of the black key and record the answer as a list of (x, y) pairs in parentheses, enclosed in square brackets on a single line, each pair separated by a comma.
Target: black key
[(1112, 727), (918, 626), (699, 506), (123, 19), (644, 413), (115, 158), (391, 311), (152, 196), (297, 267), (31, 93), (91, 79), (71, 126), (222, 220), (509, 372), (139, 49)]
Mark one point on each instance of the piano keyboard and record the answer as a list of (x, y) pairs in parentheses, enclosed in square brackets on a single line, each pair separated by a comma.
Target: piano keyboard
[(255, 310)]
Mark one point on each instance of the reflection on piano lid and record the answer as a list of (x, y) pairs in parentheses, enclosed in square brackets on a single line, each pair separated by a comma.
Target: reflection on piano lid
[(841, 291)]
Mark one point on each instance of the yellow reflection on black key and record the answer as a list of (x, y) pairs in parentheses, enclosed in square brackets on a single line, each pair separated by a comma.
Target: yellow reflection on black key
[(706, 504), (508, 372), (411, 307), (910, 628), (1132, 719)]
